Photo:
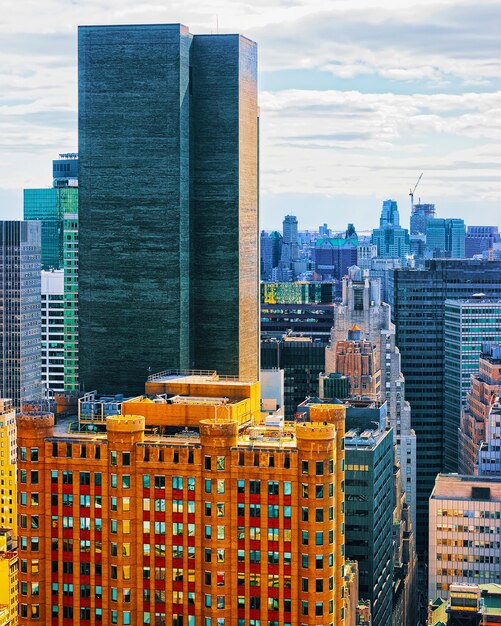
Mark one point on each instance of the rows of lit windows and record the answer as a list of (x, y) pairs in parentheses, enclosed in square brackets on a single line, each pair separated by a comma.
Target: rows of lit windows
[(460, 528), (469, 513)]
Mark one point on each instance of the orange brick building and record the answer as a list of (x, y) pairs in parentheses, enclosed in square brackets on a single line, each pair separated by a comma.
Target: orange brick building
[(231, 523)]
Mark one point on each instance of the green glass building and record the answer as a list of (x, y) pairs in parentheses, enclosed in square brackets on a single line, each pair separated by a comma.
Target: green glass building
[(169, 265), (57, 209)]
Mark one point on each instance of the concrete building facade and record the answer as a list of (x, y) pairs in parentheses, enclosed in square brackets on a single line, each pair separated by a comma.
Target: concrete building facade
[(465, 529)]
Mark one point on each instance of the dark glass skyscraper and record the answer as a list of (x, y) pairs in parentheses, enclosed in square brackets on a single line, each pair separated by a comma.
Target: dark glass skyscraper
[(169, 261), (20, 322), (417, 299)]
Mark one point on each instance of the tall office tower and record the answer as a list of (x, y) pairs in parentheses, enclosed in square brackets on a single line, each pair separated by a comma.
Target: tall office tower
[(479, 239), (168, 203), (418, 306), (365, 253), (445, 238), (53, 330), (464, 544), (198, 526), (468, 323), (485, 389), (357, 359), (20, 363), (56, 208), (332, 256), (271, 252), (391, 239), (369, 516), (421, 214), (302, 358), (362, 306)]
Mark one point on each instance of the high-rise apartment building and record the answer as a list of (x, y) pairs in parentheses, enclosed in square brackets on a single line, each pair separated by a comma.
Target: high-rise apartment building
[(20, 372), (418, 308), (468, 323), (445, 238), (464, 542), (186, 511), (56, 208), (53, 330), (169, 228)]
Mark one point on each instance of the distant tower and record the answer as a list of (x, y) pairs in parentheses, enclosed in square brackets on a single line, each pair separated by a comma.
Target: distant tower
[(290, 252), (389, 214), (421, 214), (391, 239)]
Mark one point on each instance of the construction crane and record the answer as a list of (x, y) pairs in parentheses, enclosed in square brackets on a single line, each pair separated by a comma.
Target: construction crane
[(411, 191)]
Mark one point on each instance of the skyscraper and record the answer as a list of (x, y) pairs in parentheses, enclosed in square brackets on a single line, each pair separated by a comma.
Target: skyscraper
[(20, 362), (417, 299), (468, 323), (169, 261)]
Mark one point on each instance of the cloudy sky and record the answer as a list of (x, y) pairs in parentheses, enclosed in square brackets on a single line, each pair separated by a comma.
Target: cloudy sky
[(357, 99)]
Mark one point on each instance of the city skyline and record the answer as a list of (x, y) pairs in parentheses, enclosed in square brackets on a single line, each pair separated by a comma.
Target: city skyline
[(344, 95)]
